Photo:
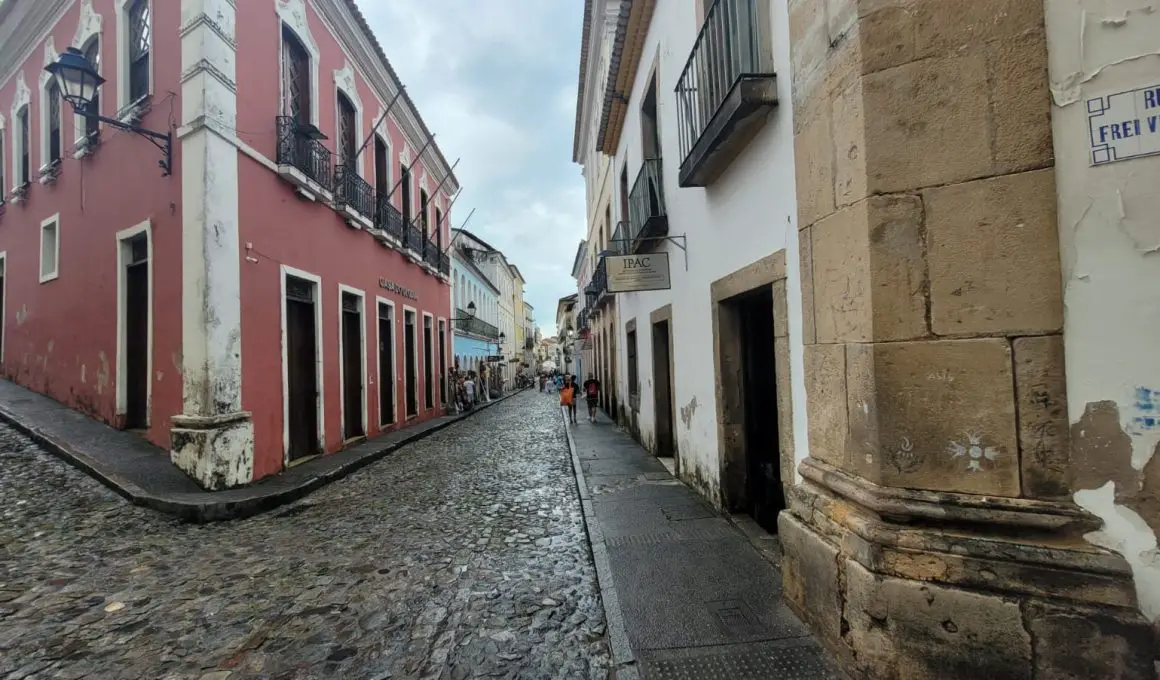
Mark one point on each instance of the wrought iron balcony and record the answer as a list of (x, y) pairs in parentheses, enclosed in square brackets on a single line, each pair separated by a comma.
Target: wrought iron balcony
[(414, 239), (465, 323), (390, 220), (597, 290), (725, 91), (431, 253), (353, 196), (445, 264), (302, 159), (647, 216)]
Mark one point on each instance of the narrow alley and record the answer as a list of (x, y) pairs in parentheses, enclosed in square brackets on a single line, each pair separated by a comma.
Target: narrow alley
[(462, 555)]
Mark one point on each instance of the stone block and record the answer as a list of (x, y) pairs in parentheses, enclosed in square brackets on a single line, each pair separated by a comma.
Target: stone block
[(784, 409), (216, 451), (825, 369), (909, 629), (887, 35), (814, 165), (928, 124), (806, 273), (780, 310), (947, 28), (1021, 103), (841, 17), (809, 571), (935, 415), (849, 146), (1073, 644), (993, 253), (809, 43), (869, 275), (1041, 388)]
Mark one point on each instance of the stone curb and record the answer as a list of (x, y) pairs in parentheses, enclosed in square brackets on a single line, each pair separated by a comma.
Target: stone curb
[(201, 512), (623, 661)]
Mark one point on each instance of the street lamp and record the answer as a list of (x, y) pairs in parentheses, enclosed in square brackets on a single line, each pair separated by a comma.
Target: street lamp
[(78, 82), (470, 313)]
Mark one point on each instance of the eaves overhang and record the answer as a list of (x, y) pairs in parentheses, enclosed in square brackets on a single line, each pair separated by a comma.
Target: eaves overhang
[(631, 30)]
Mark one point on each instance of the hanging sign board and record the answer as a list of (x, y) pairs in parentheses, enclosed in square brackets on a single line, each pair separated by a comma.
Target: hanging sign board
[(1124, 125), (634, 273)]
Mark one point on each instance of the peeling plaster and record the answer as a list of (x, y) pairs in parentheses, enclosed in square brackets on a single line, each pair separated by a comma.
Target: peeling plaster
[(1108, 237), (1126, 532), (102, 373)]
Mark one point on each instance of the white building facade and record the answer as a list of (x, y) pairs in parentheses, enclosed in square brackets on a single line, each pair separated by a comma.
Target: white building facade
[(720, 204)]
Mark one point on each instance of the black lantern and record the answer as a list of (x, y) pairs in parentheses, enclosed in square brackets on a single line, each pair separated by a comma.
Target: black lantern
[(78, 81), (471, 309)]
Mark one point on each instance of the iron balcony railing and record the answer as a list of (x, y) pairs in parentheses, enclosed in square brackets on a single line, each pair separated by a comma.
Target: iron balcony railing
[(466, 323), (414, 239), (353, 191), (646, 200), (445, 264), (431, 253), (298, 150), (731, 45), (389, 219), (599, 282)]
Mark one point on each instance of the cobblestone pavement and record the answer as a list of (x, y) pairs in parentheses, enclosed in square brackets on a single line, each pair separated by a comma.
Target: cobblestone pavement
[(462, 555)]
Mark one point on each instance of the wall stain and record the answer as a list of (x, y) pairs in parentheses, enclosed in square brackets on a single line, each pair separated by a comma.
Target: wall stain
[(687, 413), (1102, 453)]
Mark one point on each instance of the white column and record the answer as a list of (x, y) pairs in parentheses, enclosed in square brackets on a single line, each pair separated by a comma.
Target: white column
[(213, 439)]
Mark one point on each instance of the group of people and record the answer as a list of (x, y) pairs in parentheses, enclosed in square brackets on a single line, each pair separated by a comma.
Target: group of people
[(570, 392), (468, 389)]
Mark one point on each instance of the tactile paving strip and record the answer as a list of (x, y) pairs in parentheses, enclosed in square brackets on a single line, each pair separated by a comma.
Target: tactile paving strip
[(786, 663)]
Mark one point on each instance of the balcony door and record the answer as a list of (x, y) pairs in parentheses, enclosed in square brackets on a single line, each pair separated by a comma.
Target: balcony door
[(410, 361)]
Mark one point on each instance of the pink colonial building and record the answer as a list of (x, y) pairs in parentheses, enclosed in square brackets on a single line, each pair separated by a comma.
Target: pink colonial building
[(282, 290)]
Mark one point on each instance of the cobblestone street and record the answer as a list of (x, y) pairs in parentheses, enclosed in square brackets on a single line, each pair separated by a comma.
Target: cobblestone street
[(462, 555)]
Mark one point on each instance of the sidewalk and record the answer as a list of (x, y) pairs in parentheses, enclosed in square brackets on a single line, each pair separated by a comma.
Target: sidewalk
[(142, 473), (685, 593)]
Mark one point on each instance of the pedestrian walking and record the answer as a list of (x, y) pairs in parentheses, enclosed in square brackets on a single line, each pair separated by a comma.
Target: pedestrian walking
[(592, 394), (568, 398), (469, 390)]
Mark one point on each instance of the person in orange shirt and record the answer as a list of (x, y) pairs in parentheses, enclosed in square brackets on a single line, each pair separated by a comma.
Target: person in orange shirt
[(568, 397)]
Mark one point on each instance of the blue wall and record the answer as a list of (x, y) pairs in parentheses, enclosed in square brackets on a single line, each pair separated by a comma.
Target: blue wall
[(469, 351)]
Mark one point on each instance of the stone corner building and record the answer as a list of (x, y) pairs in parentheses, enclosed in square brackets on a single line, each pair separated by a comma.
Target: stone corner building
[(939, 527), (962, 288)]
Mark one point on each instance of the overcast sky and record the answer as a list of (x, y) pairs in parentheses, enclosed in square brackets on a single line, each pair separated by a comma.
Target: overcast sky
[(495, 80)]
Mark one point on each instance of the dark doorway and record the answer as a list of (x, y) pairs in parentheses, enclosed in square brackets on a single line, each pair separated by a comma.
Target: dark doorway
[(137, 334), (428, 365), (409, 361), (663, 389), (301, 367), (352, 367), (759, 398), (386, 365), (442, 357)]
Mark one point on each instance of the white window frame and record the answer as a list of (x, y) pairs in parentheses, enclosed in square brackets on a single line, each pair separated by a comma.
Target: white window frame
[(54, 221), (124, 253), (123, 103), (3, 158), (20, 102), (346, 81), (418, 368), (292, 15), (379, 302), (319, 354), (424, 367), (362, 297), (80, 140), (46, 82)]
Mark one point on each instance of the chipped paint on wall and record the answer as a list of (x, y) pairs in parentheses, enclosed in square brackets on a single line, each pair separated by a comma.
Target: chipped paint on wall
[(1109, 237)]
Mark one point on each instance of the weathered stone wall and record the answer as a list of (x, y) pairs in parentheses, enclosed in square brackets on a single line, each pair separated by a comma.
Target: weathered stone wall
[(933, 524)]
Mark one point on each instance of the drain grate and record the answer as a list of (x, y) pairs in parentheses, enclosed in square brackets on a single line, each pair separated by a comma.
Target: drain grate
[(786, 663)]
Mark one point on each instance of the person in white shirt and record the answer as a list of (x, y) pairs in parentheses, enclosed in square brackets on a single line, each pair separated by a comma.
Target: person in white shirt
[(469, 387)]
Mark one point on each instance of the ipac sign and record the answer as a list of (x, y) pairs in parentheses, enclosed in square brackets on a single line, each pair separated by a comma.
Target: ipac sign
[(634, 273), (1124, 125)]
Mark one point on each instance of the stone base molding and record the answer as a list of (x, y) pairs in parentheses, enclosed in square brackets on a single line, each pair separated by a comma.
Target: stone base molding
[(217, 452)]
